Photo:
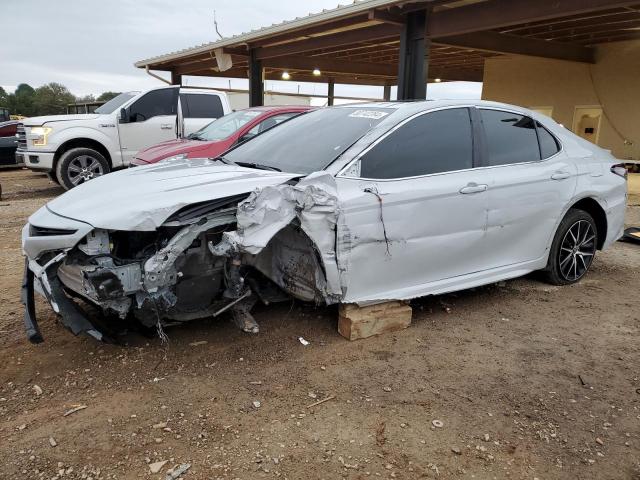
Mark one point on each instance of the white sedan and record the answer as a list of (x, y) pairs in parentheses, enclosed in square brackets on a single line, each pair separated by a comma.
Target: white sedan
[(351, 204)]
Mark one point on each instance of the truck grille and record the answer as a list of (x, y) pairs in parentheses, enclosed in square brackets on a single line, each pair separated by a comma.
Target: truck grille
[(22, 137)]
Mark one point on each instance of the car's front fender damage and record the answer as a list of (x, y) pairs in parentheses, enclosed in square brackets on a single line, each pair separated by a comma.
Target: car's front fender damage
[(278, 242)]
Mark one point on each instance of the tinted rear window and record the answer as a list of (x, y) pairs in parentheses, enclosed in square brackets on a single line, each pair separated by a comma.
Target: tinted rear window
[(511, 138), (548, 144), (196, 105)]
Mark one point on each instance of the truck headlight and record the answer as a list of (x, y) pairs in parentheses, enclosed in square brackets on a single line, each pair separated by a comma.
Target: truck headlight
[(39, 135)]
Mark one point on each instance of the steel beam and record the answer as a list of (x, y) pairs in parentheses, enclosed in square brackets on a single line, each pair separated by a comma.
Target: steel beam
[(494, 14), (256, 82), (413, 58), (506, 43), (330, 92), (375, 34), (176, 78)]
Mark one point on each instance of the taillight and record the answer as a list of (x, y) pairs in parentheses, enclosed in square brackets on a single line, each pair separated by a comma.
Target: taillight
[(620, 170)]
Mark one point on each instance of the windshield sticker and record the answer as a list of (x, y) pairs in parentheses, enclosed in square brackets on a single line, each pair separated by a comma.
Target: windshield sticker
[(252, 114), (374, 114)]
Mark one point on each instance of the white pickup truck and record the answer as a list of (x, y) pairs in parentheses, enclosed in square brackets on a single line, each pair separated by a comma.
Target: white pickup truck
[(73, 149)]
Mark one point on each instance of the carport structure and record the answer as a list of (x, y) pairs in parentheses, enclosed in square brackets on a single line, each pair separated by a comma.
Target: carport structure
[(407, 43)]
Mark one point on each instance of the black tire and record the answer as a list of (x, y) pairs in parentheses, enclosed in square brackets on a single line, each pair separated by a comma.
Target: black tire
[(52, 176), (573, 248), (80, 165)]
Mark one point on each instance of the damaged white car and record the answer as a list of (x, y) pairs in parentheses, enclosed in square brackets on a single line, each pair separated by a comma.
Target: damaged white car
[(352, 204)]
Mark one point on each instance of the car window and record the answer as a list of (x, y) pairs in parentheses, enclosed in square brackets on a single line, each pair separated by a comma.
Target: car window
[(548, 143), (511, 138), (153, 104), (225, 126), (310, 142), (196, 105), (436, 142), (267, 123)]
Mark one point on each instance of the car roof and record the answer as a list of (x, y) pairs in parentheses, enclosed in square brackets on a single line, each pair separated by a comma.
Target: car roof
[(279, 108)]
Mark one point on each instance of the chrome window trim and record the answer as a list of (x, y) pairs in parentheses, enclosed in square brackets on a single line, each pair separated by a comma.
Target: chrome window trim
[(357, 158)]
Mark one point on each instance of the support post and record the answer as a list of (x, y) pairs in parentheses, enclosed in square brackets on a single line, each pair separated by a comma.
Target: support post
[(387, 93), (330, 92), (256, 82), (414, 57), (176, 78)]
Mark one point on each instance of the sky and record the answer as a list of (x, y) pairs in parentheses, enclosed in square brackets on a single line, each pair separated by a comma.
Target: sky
[(91, 45)]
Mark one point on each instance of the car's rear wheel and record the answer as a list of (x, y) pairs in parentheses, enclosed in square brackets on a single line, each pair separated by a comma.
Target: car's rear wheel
[(80, 165), (573, 248)]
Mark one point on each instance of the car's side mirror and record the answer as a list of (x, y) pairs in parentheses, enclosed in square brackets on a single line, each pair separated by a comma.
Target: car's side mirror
[(124, 116)]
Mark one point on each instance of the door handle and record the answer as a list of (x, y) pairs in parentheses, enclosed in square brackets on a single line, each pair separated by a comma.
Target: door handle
[(560, 175), (166, 126), (473, 188)]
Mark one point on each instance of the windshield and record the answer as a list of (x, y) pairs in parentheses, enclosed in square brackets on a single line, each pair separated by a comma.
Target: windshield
[(225, 126), (310, 142), (115, 103)]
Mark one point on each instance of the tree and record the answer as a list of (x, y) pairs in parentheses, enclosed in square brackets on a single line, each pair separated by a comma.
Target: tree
[(106, 96), (52, 99), (86, 99), (22, 101)]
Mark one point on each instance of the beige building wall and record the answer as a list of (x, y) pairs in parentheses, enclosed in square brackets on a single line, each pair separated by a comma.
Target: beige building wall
[(240, 100), (613, 83)]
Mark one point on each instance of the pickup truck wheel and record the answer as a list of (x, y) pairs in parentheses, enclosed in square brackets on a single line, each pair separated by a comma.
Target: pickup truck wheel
[(80, 165)]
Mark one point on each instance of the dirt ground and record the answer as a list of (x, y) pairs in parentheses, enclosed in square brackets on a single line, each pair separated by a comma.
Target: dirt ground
[(529, 381)]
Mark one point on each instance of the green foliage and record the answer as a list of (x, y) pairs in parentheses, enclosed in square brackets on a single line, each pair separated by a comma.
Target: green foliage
[(52, 99), (106, 96), (49, 99)]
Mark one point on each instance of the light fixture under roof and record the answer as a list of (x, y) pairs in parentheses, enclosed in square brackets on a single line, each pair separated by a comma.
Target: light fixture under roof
[(317, 72), (437, 80), (286, 76)]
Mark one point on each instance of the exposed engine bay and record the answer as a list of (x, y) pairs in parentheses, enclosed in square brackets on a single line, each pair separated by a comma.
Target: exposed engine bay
[(205, 259)]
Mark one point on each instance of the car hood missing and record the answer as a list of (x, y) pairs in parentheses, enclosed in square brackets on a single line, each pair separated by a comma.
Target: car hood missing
[(143, 198)]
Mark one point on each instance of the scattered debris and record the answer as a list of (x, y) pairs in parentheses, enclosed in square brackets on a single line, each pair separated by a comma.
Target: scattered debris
[(303, 341), (314, 404), (437, 423), (386, 389), (256, 404), (255, 382), (312, 395), (37, 389), (21, 427), (160, 425), (456, 450), (198, 343), (75, 409), (599, 441), (486, 437), (52, 442), (177, 471), (157, 466)]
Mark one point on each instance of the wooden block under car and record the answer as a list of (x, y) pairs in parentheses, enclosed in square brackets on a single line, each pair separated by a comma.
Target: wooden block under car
[(356, 322)]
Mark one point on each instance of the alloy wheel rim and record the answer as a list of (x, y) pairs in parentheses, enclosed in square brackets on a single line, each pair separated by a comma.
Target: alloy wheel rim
[(83, 168), (577, 250)]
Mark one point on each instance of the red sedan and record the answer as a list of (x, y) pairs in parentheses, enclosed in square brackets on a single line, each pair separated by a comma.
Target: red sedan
[(221, 134)]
